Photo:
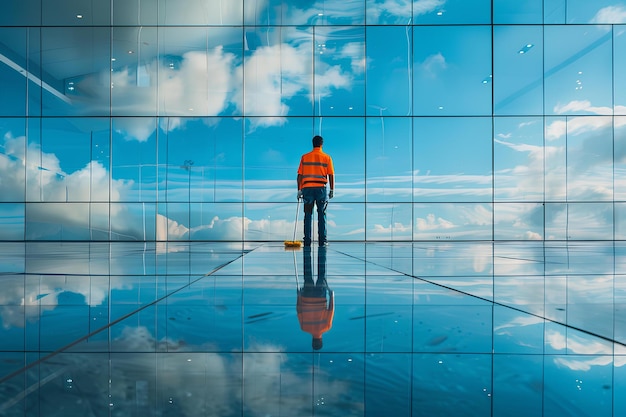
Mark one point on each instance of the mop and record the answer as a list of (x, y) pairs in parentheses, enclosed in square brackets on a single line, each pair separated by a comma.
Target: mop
[(294, 244)]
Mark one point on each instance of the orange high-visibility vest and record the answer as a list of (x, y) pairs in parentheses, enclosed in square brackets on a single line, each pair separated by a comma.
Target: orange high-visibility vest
[(314, 315), (315, 167)]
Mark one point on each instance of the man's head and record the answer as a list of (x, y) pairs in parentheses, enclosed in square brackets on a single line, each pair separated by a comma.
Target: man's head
[(317, 343), (318, 141)]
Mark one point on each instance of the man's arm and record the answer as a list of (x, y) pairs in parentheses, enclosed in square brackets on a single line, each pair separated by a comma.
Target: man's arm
[(331, 181)]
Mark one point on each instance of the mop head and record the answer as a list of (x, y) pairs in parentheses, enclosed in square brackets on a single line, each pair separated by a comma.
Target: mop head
[(292, 244)]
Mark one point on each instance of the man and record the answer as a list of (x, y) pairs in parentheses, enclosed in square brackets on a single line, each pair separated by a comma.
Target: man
[(315, 171), (316, 302)]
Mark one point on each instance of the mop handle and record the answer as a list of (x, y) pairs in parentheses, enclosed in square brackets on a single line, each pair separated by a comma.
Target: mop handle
[(296, 225)]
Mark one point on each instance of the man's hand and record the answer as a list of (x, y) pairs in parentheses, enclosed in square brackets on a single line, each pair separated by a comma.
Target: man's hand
[(331, 194), (299, 194)]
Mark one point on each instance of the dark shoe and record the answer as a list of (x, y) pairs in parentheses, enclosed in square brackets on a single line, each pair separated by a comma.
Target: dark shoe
[(323, 244)]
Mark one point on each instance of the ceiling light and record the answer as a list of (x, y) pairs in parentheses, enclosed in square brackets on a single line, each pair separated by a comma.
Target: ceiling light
[(79, 16), (525, 48)]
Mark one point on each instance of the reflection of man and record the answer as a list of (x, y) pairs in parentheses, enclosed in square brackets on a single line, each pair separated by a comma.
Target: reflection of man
[(315, 170), (316, 305)]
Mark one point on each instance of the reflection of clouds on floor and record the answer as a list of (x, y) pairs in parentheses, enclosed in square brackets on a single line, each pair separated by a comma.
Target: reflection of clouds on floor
[(18, 297), (191, 380)]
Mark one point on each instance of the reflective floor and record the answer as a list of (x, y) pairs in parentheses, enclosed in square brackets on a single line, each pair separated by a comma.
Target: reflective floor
[(376, 329)]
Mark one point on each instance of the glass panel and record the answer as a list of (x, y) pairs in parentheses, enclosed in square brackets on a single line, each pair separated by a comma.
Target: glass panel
[(517, 12), (554, 11), (13, 164), (13, 73), (619, 77), (397, 367), (199, 71), (577, 72), (388, 159), (555, 165), (582, 378), (569, 257), (57, 221), (450, 75), (579, 221), (464, 378), (282, 12), (388, 71), (599, 11), (452, 159), (590, 158), (38, 80), (454, 12), (518, 221), (203, 160), (224, 221), (134, 12), (134, 71), (452, 221), (173, 221), (513, 377), (134, 221), (344, 140), (339, 82), (82, 145), (388, 13), (200, 12), (518, 70), (590, 300), (277, 75), (388, 221), (619, 402), (99, 218), (518, 259), (346, 221), (620, 220), (518, 159), (272, 156), (133, 154), (21, 13), (514, 331), (77, 67), (76, 13), (11, 221)]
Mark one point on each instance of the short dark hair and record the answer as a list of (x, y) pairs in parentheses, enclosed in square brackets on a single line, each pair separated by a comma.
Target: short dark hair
[(317, 343), (317, 141)]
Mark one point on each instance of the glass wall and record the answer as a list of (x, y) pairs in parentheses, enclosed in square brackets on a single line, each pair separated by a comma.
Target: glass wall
[(185, 120)]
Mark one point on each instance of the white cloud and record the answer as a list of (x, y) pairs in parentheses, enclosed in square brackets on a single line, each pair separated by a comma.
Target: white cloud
[(194, 380), (405, 8), (434, 64), (610, 15), (393, 229), (580, 346), (582, 124), (529, 235), (207, 83), (355, 51), (17, 300), (432, 223)]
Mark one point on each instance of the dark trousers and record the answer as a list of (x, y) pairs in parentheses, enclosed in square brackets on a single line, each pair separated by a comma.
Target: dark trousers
[(314, 196)]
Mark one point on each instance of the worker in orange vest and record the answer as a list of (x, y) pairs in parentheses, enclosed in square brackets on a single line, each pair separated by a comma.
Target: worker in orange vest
[(316, 302), (315, 171)]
